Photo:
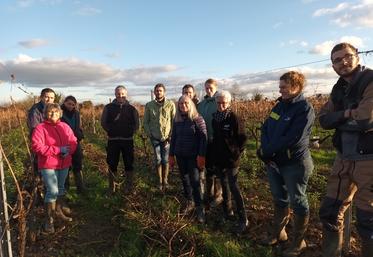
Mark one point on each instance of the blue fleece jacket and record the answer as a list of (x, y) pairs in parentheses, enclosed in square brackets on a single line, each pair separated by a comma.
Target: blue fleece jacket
[(285, 133)]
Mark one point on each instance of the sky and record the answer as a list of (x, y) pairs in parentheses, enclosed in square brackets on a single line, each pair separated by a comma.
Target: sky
[(87, 48)]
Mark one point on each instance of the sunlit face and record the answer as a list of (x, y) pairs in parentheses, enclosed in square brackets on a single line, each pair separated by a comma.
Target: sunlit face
[(189, 92), (120, 95), (184, 105), (345, 62), (69, 105), (53, 115), (159, 93), (48, 98), (210, 89), (287, 91), (222, 104)]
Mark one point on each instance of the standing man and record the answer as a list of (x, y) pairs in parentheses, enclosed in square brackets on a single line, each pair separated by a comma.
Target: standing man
[(120, 120), (158, 118), (349, 112), (35, 116), (206, 108)]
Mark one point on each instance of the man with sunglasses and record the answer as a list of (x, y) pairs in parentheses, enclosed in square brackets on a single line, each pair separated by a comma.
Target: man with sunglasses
[(349, 112)]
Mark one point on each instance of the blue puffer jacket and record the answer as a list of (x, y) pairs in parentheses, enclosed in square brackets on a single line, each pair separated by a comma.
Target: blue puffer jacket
[(189, 138), (286, 132)]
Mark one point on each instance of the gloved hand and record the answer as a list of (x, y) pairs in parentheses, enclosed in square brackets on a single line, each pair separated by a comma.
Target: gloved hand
[(171, 161), (65, 150), (201, 162)]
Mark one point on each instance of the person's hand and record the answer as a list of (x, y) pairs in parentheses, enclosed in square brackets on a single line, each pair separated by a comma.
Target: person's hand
[(259, 153), (65, 150), (201, 162), (171, 161)]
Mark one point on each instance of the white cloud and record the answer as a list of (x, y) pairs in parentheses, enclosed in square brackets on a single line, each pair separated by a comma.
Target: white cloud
[(28, 3), (324, 48), (277, 25), (88, 11), (32, 43), (347, 14)]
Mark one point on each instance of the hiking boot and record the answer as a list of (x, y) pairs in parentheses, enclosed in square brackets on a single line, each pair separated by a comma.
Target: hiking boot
[(50, 209), (59, 213)]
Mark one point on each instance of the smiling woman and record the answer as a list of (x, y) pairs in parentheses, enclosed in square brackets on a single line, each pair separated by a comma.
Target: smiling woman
[(53, 142)]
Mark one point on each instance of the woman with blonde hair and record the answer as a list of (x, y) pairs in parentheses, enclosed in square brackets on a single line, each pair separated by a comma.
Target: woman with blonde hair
[(188, 145)]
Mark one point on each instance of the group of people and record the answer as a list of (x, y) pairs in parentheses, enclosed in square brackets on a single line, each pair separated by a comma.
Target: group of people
[(206, 139)]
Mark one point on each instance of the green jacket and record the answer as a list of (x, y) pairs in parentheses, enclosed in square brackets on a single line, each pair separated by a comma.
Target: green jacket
[(158, 118), (206, 108)]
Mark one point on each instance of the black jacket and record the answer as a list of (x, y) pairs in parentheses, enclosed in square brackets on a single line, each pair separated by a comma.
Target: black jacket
[(120, 121), (228, 142)]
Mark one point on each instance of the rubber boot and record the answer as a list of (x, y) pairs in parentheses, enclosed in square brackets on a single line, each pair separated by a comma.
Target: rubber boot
[(129, 182), (332, 242), (59, 213), (367, 248), (278, 232), (243, 223), (298, 245), (200, 213), (160, 177), (65, 208), (79, 182), (165, 171), (50, 209)]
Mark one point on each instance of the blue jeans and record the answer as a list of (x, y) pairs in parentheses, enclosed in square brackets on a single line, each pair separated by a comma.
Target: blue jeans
[(161, 151), (289, 184), (54, 180), (189, 174)]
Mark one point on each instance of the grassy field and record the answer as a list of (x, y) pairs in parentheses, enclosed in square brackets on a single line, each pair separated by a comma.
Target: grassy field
[(147, 223)]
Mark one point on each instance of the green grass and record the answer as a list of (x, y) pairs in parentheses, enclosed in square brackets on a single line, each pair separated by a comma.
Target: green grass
[(140, 224)]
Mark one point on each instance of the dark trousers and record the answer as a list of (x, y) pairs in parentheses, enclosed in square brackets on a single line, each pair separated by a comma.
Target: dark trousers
[(189, 174), (213, 187), (114, 148), (229, 182)]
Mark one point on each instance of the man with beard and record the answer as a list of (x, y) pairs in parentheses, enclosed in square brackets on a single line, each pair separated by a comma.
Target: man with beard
[(158, 117), (120, 120), (349, 111)]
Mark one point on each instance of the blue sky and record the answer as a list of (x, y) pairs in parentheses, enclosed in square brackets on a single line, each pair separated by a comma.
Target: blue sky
[(86, 48)]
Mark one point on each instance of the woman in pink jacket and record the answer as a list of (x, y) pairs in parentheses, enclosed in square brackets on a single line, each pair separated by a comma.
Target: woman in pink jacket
[(54, 142)]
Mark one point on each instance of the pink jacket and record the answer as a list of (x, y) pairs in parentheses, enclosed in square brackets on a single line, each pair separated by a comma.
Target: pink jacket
[(46, 140)]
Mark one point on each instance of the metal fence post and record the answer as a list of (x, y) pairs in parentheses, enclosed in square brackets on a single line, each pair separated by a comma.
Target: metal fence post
[(5, 239)]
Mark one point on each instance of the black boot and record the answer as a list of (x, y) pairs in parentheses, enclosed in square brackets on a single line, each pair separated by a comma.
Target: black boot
[(129, 182), (79, 182), (243, 223), (200, 213)]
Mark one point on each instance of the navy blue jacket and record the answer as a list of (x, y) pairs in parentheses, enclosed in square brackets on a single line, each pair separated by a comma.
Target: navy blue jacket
[(189, 138), (285, 133)]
